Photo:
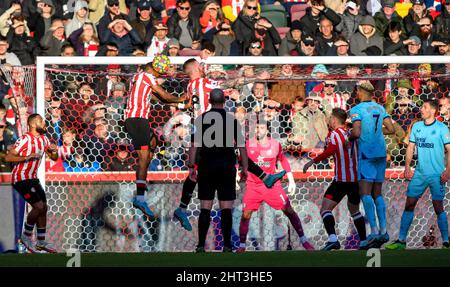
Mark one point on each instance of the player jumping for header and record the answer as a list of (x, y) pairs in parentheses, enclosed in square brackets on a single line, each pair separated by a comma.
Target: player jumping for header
[(429, 136), (27, 154), (137, 122), (345, 182), (368, 119), (266, 152), (201, 87)]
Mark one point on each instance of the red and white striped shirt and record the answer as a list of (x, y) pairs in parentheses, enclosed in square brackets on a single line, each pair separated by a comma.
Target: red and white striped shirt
[(337, 101), (201, 88), (138, 104), (345, 162), (25, 146)]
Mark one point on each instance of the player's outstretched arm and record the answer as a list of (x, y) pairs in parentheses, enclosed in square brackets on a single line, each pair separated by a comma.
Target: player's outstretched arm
[(13, 156), (329, 151), (409, 155), (356, 131), (166, 97), (388, 126)]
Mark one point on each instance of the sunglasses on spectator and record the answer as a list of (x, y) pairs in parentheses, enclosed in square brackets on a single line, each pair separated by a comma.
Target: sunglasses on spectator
[(403, 105), (252, 7), (309, 45), (2, 126), (425, 25), (184, 8), (330, 85), (441, 106), (255, 46), (114, 4)]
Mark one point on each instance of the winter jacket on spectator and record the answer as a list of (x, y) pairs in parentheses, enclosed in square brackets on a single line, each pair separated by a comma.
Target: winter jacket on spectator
[(126, 43), (244, 29), (25, 47), (381, 22), (102, 26), (325, 47), (50, 45), (398, 48), (270, 38), (144, 29), (175, 30), (442, 23), (115, 163), (4, 22), (76, 23), (410, 22), (38, 24), (9, 58), (287, 45), (361, 41), (312, 23), (232, 8), (349, 24), (83, 48), (5, 5), (223, 44)]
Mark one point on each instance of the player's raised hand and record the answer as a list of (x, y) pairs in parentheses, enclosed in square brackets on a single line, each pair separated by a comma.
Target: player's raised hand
[(445, 176), (408, 173), (307, 165)]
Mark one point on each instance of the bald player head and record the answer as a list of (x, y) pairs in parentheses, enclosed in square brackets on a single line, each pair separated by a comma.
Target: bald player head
[(217, 98)]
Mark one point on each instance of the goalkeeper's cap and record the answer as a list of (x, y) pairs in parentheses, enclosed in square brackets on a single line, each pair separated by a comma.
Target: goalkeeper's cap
[(161, 63)]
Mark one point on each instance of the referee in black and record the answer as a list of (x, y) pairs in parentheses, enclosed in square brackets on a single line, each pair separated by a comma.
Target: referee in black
[(212, 159)]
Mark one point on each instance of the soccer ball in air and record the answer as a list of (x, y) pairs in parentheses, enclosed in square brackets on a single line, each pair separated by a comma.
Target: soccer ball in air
[(161, 63)]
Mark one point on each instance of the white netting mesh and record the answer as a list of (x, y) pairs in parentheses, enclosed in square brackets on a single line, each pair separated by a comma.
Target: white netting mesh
[(91, 188)]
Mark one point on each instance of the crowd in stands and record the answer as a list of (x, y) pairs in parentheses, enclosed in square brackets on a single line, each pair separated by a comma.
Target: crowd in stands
[(84, 117)]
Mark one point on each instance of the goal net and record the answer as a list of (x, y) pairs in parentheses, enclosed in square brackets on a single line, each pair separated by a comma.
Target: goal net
[(90, 189)]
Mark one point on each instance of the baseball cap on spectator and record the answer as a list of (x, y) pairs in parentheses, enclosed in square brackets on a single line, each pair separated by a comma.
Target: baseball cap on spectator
[(389, 3), (307, 39), (314, 96), (415, 39), (296, 25), (351, 4), (113, 67), (118, 87), (159, 25), (404, 83), (320, 68), (143, 5), (417, 2), (366, 85), (330, 82), (112, 2), (173, 43)]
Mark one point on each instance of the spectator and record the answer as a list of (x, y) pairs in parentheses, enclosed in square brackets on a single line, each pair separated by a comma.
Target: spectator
[(5, 57), (383, 88), (443, 20), (68, 50), (405, 112), (48, 92), (173, 48), (159, 40), (309, 126), (395, 146), (184, 27), (224, 41), (365, 38), (232, 8), (100, 144), (80, 17), (81, 163), (405, 91), (120, 32), (53, 39), (103, 87), (268, 35), (336, 100), (41, 20), (341, 47), (351, 19), (143, 24), (85, 40), (110, 50), (307, 46), (426, 35), (395, 42), (97, 8), (77, 106), (15, 10), (115, 105), (318, 72), (24, 46), (211, 18), (311, 20), (121, 160), (55, 122), (292, 39), (112, 12), (385, 16), (417, 12), (216, 72), (255, 101), (326, 38), (244, 26), (6, 141), (414, 47), (347, 88), (444, 110), (255, 48)]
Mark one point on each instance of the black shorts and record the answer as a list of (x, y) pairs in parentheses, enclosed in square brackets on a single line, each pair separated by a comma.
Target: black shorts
[(31, 190), (140, 133), (338, 189), (222, 179)]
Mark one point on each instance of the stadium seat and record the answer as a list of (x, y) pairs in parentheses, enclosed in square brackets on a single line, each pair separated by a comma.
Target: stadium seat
[(283, 31), (297, 15), (277, 18), (189, 52), (266, 8), (298, 11)]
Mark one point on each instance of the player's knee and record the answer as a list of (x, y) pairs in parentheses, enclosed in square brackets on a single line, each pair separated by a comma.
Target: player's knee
[(438, 208), (40, 207), (247, 215)]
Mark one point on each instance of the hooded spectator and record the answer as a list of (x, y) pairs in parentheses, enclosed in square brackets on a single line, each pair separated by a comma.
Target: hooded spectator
[(80, 16), (292, 39), (442, 22), (366, 37), (41, 21), (351, 19)]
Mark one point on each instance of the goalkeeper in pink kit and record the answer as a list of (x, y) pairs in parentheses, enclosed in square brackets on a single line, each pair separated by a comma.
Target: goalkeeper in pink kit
[(266, 152)]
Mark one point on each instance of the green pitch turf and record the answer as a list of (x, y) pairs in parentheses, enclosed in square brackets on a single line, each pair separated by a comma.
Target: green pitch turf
[(406, 258)]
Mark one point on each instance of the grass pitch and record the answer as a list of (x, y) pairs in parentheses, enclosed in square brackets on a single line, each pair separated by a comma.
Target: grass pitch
[(406, 258)]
